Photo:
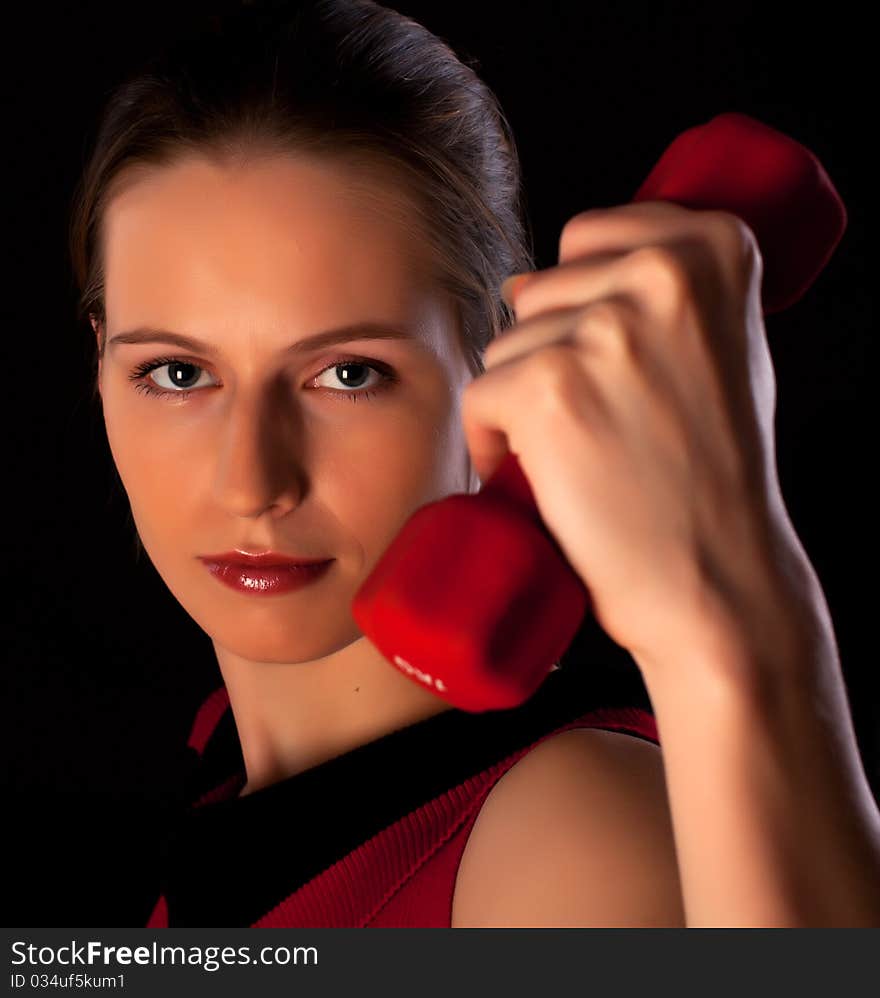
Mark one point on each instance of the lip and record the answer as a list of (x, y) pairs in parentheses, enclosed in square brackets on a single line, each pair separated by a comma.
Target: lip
[(270, 580), (261, 559)]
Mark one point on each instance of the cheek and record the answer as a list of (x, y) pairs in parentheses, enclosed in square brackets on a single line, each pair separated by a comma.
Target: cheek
[(157, 469), (374, 481)]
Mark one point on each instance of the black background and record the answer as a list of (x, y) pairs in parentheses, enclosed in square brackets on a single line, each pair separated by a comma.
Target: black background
[(103, 669)]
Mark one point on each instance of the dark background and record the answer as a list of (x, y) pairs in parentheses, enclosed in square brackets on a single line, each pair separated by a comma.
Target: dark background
[(103, 669)]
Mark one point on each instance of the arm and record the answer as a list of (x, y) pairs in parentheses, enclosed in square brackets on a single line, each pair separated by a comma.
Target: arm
[(770, 821), (652, 457), (775, 823)]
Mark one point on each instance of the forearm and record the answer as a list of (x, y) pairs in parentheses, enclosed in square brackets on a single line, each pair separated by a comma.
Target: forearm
[(773, 816)]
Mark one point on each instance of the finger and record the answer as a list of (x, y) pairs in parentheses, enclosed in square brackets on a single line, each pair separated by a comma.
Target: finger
[(502, 409), (653, 275), (601, 235), (623, 227), (607, 328), (532, 334), (511, 287), (485, 420)]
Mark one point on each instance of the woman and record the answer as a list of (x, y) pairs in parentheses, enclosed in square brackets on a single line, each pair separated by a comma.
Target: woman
[(312, 202)]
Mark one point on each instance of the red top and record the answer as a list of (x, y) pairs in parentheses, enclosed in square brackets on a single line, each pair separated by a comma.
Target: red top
[(402, 875)]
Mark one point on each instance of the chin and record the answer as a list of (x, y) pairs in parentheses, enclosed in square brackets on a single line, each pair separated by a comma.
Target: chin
[(289, 648)]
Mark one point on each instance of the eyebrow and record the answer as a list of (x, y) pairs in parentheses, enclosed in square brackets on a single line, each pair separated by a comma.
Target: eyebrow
[(354, 331)]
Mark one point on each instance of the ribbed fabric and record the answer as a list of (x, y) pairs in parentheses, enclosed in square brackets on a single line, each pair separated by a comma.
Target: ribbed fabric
[(403, 876)]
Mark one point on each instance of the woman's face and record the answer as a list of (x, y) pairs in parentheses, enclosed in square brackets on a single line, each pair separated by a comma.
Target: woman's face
[(277, 444)]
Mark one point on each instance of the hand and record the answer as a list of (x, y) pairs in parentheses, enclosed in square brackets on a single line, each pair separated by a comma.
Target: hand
[(637, 391)]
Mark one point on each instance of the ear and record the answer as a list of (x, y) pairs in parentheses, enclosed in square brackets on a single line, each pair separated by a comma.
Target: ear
[(96, 326)]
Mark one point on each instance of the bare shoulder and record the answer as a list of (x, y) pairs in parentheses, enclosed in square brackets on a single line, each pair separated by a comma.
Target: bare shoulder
[(576, 833)]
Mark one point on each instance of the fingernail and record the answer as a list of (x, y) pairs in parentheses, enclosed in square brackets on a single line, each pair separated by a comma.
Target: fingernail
[(510, 286)]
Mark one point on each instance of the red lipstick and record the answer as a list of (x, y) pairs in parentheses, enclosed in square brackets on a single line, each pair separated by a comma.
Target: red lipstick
[(266, 573)]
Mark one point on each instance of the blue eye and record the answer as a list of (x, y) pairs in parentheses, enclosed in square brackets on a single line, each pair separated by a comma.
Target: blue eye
[(180, 379), (384, 374), (182, 375)]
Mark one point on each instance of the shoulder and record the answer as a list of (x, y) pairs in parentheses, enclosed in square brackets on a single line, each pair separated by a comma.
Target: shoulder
[(576, 833)]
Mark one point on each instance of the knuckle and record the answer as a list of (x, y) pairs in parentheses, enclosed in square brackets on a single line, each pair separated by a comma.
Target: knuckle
[(555, 374), (572, 231), (731, 227), (664, 272), (606, 327), (738, 241)]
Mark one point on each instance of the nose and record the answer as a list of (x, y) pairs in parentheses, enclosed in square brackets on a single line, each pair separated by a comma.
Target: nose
[(259, 464)]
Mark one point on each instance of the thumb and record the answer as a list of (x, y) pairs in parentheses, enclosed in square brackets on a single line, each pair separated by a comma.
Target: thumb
[(487, 441)]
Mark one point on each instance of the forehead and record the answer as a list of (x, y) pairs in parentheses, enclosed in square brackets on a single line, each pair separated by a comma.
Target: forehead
[(282, 233)]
